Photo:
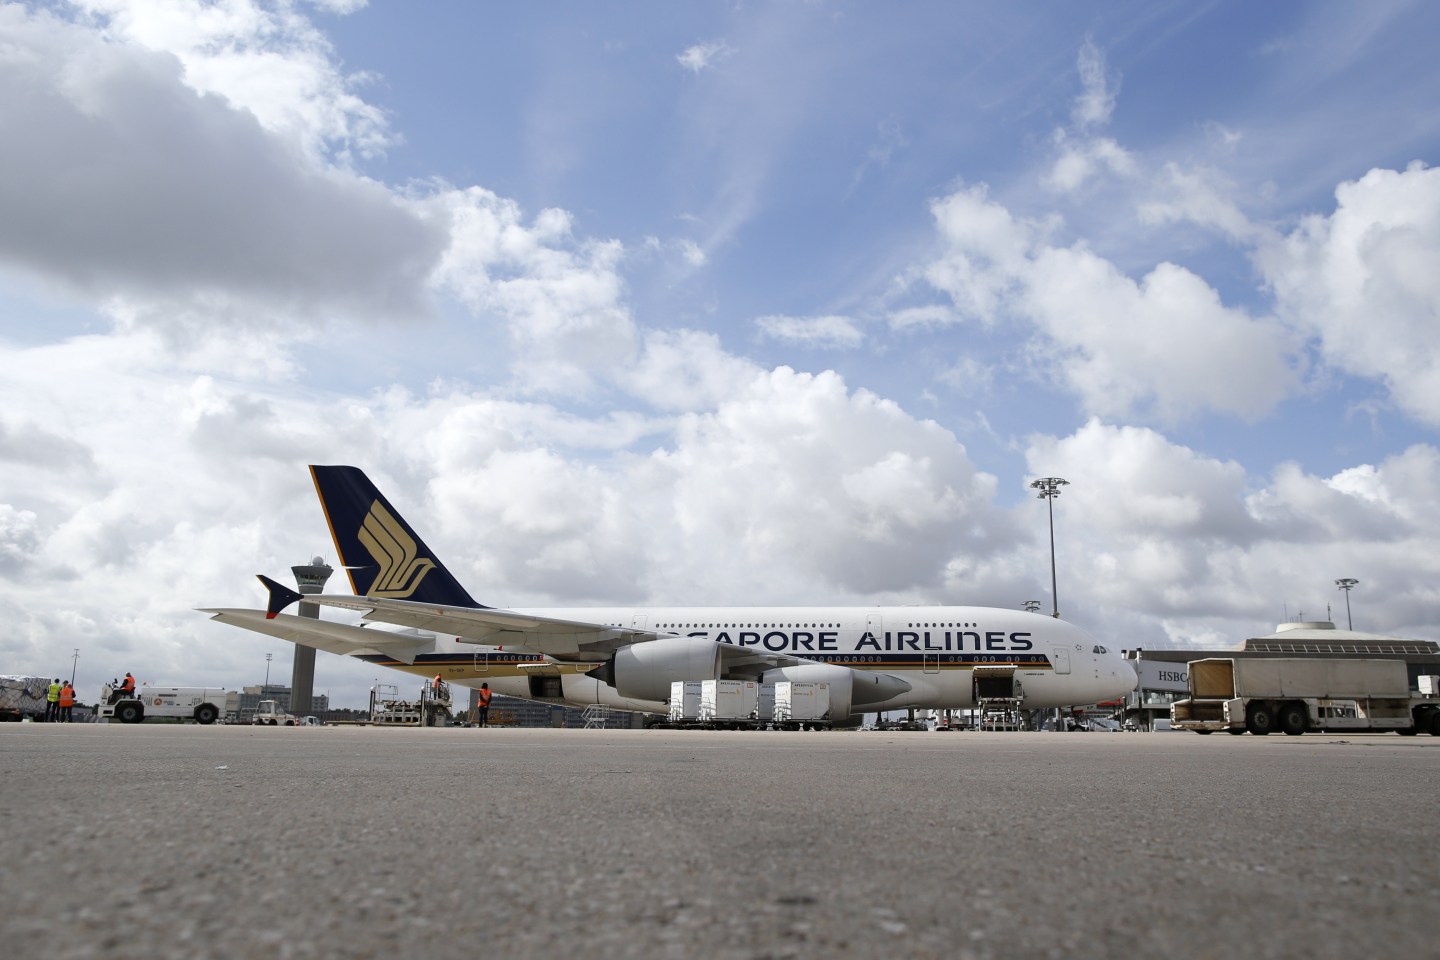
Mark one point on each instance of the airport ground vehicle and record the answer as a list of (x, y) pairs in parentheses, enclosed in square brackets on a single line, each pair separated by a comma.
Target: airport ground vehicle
[(204, 705), (269, 714), (432, 708), (1297, 696)]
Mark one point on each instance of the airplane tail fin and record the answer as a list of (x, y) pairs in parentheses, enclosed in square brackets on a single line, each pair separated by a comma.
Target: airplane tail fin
[(381, 554)]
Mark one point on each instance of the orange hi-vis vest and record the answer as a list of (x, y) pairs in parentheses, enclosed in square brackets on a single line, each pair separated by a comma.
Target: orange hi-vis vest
[(67, 696), (484, 697)]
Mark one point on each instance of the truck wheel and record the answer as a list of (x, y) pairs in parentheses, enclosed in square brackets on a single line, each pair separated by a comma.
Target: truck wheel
[(1259, 720), (1435, 723), (1293, 719), (205, 714), (129, 713)]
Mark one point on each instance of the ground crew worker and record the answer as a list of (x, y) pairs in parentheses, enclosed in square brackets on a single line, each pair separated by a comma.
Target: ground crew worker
[(482, 705), (66, 702), (126, 689), (52, 702)]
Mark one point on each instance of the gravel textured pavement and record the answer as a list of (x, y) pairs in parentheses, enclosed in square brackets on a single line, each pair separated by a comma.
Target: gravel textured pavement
[(178, 841)]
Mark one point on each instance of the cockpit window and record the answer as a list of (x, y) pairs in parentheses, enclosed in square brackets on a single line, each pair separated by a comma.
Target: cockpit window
[(1099, 649)]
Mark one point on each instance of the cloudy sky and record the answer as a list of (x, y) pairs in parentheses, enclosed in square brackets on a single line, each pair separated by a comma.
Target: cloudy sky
[(717, 303)]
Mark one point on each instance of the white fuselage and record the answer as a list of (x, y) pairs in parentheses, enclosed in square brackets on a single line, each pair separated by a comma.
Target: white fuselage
[(934, 649)]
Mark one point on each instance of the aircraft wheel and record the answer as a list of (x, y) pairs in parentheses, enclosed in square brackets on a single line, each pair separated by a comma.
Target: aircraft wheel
[(1293, 719), (1259, 720)]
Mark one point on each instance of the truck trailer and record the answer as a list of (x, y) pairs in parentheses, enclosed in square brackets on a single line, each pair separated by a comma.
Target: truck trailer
[(1296, 696)]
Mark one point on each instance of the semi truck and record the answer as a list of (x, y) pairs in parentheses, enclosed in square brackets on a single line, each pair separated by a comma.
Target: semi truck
[(204, 705), (1297, 696)]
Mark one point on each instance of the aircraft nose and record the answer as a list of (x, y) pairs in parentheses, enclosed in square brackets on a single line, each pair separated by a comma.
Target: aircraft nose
[(1126, 676)]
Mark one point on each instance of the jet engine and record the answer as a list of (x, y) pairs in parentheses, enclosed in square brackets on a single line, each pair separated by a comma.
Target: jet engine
[(644, 671)]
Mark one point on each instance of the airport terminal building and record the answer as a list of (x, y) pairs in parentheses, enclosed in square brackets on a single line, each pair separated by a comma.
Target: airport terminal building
[(1163, 673)]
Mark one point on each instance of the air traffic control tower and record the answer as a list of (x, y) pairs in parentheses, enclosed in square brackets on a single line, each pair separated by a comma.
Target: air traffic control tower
[(311, 578)]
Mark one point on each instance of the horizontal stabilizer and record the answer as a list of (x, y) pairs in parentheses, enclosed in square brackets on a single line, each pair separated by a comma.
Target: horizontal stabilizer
[(281, 596), (341, 638)]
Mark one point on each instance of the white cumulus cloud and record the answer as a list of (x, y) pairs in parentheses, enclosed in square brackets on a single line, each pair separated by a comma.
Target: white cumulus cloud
[(1363, 281)]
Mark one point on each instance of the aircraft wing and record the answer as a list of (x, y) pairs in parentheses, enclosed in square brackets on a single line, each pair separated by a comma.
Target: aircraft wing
[(342, 638), (562, 639), (567, 640)]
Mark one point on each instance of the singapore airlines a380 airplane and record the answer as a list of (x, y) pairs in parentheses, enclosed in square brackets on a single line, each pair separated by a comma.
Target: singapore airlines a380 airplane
[(874, 658)]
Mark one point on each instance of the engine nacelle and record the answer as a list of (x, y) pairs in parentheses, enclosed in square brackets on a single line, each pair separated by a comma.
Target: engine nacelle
[(644, 671)]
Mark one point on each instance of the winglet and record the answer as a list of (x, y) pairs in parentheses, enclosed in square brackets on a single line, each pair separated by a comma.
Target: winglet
[(281, 596)]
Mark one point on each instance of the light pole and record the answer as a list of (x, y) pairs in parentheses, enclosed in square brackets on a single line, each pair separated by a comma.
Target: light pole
[(1049, 489), (268, 658), (1345, 583), (73, 658)]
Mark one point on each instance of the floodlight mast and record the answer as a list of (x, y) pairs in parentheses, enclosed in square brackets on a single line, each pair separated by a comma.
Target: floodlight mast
[(1049, 489), (1345, 583)]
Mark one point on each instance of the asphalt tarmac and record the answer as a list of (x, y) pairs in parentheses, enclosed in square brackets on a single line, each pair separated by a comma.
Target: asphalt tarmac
[(170, 841)]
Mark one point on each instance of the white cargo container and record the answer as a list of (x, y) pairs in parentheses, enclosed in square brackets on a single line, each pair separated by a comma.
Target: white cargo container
[(801, 702), (1430, 686), (685, 701), (728, 701)]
